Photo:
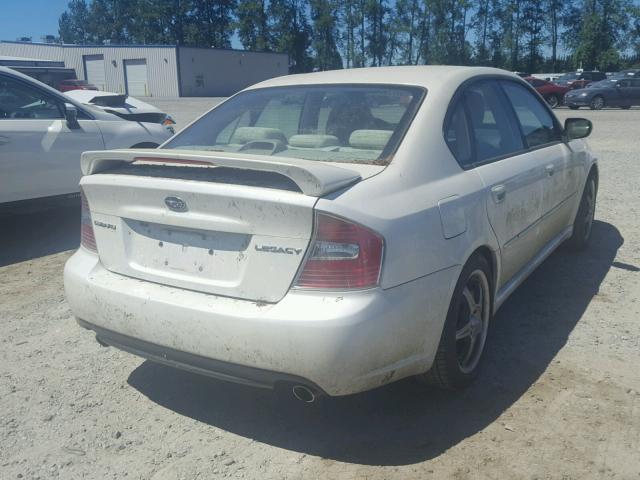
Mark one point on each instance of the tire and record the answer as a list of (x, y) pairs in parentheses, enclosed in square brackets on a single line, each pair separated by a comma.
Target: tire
[(583, 223), (596, 103), (553, 100), (625, 107), (459, 356), (574, 107)]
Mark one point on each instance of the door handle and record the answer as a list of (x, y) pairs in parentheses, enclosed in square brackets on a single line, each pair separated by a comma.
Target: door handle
[(3, 140), (498, 192), (550, 169)]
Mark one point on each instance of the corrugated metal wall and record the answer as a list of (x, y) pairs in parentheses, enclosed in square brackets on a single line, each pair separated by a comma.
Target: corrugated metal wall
[(161, 63), (210, 72), (203, 71)]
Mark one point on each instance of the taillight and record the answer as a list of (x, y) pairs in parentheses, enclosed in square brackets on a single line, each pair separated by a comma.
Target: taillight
[(342, 255), (87, 238)]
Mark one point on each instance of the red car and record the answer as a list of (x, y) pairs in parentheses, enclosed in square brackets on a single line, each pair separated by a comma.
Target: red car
[(67, 85), (552, 92)]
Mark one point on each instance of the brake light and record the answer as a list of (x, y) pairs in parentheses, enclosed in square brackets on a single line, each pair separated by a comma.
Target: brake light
[(87, 237), (342, 255)]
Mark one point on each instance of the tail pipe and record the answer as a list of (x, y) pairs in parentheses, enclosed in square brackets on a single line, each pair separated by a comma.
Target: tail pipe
[(304, 394)]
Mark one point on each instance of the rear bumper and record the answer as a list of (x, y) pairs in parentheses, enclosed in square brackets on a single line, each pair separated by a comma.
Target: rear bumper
[(230, 372), (338, 343)]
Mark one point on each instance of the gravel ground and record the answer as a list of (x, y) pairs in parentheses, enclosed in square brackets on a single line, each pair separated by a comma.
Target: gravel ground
[(559, 397)]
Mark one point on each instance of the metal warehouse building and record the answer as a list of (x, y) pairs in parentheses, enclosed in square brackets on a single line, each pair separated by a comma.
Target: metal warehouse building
[(158, 70)]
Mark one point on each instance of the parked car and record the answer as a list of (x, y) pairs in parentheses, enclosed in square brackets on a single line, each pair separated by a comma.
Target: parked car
[(124, 106), (608, 93), (74, 84), (631, 73), (580, 79), (551, 92), (332, 232), (43, 132)]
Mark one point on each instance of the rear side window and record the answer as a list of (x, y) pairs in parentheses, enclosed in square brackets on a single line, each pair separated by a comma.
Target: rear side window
[(457, 136), (535, 120), (492, 127)]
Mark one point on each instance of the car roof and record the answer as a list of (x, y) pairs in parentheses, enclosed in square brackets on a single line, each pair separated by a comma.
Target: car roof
[(427, 76)]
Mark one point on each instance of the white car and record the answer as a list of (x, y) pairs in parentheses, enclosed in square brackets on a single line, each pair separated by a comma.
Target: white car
[(124, 106), (333, 231), (43, 133)]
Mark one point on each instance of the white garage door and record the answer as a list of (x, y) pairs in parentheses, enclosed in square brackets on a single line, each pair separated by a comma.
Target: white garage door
[(136, 75), (94, 70)]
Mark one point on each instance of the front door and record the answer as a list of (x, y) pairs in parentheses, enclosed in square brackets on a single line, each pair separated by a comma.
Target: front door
[(543, 136)]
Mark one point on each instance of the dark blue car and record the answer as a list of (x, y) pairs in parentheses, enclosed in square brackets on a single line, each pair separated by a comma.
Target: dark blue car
[(623, 93)]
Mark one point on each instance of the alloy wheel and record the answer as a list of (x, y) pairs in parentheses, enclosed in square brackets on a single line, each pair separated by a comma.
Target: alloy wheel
[(473, 321), (597, 103)]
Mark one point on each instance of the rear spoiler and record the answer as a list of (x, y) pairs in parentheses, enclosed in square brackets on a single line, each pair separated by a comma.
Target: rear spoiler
[(312, 177), (109, 100)]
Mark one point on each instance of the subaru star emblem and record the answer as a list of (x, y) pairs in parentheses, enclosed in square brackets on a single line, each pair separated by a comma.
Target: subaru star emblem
[(176, 204)]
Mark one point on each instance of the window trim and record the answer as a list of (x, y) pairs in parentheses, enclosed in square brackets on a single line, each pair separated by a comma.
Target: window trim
[(456, 97), (55, 95)]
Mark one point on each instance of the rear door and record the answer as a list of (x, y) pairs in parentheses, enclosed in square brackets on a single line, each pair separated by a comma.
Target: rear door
[(543, 137), (513, 176), (39, 153)]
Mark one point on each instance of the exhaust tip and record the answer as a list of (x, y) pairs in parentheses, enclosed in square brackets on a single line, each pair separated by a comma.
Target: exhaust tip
[(304, 394)]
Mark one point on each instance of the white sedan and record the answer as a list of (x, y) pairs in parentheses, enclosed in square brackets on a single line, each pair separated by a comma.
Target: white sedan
[(333, 231), (43, 133)]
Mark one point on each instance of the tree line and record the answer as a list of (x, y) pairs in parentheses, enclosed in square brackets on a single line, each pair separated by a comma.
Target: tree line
[(518, 35)]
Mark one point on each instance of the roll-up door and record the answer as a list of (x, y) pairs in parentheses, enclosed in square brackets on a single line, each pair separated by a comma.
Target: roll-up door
[(94, 70), (136, 77)]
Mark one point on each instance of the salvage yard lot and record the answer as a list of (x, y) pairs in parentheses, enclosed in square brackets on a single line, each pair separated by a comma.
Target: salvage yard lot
[(559, 397)]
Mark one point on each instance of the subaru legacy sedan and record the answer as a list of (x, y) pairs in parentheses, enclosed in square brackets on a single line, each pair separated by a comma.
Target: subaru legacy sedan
[(332, 232)]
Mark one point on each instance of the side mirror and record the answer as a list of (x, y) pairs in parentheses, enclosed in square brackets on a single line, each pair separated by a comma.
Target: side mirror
[(575, 128), (71, 114)]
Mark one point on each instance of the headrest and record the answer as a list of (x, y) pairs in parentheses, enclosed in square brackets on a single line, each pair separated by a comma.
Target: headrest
[(313, 141), (243, 135), (370, 139), (476, 104)]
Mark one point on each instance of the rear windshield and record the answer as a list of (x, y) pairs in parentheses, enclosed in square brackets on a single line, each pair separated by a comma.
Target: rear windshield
[(335, 123)]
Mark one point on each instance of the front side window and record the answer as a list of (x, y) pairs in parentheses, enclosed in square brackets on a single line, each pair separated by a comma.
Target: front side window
[(535, 120), (336, 123), (19, 100), (492, 127)]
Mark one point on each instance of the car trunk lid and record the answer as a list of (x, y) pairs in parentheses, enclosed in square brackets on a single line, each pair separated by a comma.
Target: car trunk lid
[(205, 222)]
